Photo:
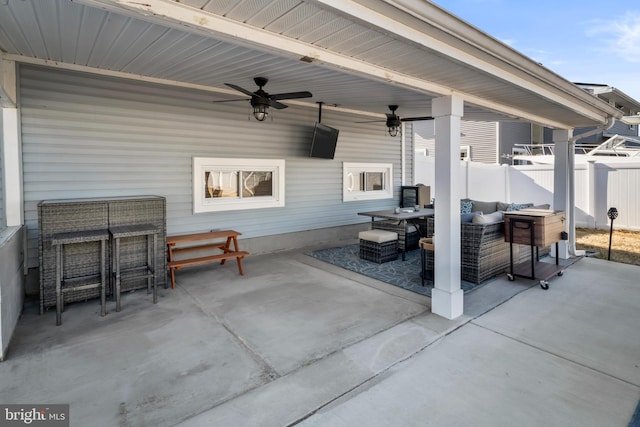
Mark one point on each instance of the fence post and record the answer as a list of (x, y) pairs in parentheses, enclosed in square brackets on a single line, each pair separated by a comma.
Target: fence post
[(507, 182), (467, 178), (591, 192)]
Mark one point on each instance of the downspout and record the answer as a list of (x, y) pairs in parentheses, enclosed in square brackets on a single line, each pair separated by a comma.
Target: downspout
[(571, 181)]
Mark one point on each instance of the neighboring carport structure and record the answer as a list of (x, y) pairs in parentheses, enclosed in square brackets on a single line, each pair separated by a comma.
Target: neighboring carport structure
[(354, 56)]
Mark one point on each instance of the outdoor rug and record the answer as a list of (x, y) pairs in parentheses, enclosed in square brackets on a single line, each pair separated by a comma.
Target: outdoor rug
[(404, 274), (635, 419)]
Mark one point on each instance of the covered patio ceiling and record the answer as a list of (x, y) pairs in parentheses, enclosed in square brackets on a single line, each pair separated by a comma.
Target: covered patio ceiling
[(353, 55)]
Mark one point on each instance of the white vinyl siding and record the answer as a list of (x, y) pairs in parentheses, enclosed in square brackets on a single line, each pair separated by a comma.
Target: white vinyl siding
[(92, 136), (512, 133), (409, 149), (480, 137)]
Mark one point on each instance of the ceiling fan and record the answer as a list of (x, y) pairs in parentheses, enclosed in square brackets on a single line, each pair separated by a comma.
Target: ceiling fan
[(394, 121), (261, 100)]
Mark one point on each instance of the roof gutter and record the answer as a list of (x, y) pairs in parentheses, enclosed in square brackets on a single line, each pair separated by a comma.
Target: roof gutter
[(571, 164)]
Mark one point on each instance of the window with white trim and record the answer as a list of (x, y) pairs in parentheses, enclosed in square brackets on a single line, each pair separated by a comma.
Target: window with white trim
[(237, 184), (367, 181)]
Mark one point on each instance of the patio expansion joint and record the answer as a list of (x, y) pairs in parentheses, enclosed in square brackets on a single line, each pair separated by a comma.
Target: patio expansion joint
[(372, 378), (551, 353), (300, 369), (442, 335), (380, 373), (269, 372)]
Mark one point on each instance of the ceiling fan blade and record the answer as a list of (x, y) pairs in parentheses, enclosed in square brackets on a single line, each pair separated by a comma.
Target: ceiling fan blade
[(372, 121), (416, 119), (239, 89), (277, 105), (291, 95), (230, 100)]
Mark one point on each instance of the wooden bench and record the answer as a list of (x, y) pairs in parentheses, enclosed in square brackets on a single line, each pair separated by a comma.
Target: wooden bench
[(202, 242)]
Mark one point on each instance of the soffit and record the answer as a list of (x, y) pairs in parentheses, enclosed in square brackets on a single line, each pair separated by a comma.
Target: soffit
[(105, 35)]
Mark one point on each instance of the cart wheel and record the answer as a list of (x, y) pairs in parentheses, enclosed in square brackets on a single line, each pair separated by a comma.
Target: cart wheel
[(544, 285), (510, 277), (560, 273)]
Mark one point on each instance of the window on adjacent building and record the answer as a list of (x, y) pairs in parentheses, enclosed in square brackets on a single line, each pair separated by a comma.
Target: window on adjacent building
[(465, 152)]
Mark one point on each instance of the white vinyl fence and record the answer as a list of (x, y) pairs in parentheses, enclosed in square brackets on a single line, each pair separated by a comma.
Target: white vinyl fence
[(598, 187)]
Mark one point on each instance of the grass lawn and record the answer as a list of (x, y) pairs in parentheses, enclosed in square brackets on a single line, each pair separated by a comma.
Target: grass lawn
[(625, 245)]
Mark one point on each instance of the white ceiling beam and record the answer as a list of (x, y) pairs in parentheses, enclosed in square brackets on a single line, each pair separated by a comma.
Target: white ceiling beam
[(169, 12), (167, 82)]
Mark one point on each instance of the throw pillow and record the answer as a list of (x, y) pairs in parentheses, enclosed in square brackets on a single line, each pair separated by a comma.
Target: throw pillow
[(489, 218), (517, 206), (465, 206)]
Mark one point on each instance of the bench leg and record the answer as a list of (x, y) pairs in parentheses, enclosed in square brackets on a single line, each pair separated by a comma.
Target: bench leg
[(226, 249), (170, 256), (173, 277), (239, 260)]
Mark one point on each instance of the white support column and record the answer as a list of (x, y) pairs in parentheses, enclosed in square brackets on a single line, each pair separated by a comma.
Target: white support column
[(562, 173), (403, 157), (11, 152), (447, 297)]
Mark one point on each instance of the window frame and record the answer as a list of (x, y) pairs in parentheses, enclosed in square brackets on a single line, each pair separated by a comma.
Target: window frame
[(201, 204), (351, 173)]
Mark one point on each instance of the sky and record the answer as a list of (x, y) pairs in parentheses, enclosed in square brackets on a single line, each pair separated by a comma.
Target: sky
[(585, 41)]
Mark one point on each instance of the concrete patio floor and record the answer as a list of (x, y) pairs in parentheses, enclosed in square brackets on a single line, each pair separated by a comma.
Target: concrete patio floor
[(298, 341)]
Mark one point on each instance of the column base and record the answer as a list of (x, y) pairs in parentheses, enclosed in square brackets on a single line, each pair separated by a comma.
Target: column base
[(447, 304)]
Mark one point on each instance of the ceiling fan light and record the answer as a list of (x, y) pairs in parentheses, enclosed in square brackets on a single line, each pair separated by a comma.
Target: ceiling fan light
[(393, 123), (260, 112)]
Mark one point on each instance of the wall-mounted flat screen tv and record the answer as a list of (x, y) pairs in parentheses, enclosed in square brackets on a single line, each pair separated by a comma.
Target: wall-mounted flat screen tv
[(323, 143)]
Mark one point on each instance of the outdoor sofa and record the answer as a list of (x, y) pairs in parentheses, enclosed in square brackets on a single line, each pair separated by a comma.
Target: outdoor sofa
[(483, 249)]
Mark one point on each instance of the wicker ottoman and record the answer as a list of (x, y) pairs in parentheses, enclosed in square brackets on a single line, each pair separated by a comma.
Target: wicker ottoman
[(378, 245), (408, 234)]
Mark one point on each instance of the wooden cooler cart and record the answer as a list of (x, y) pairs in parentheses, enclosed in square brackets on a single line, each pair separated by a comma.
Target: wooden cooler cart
[(535, 228)]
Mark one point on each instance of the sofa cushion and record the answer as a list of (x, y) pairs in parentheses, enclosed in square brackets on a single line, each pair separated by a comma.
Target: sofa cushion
[(484, 207), (490, 218), (378, 236), (465, 206), (544, 206), (468, 217)]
